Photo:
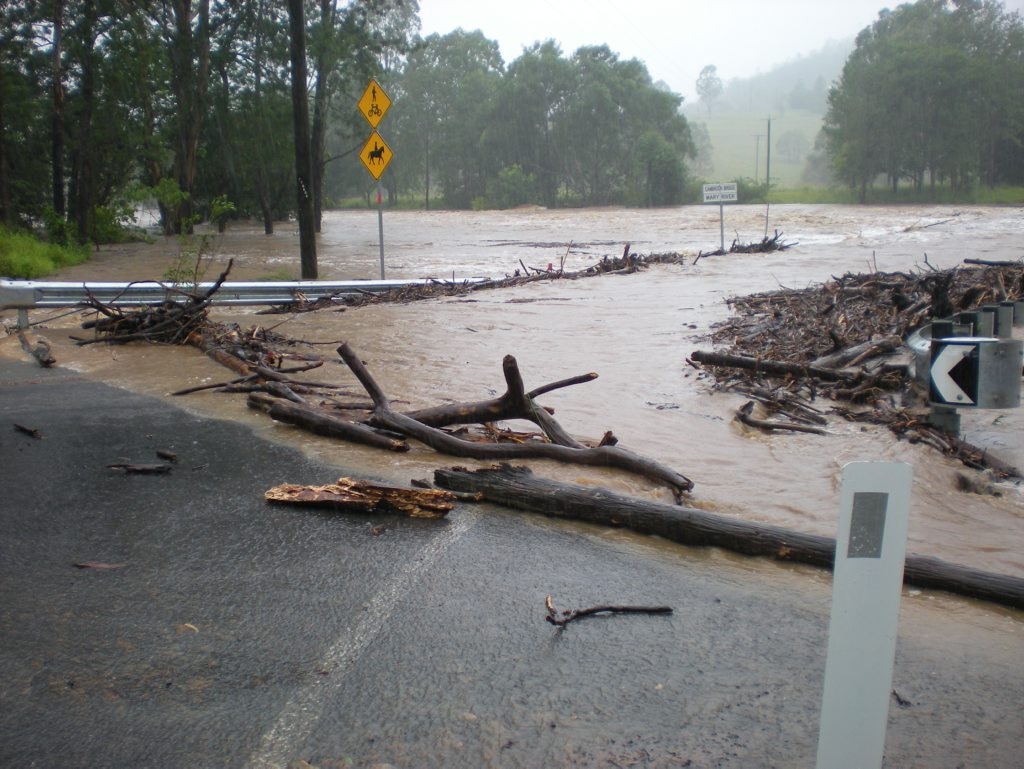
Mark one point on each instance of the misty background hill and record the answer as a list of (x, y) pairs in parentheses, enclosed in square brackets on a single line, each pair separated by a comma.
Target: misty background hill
[(794, 95)]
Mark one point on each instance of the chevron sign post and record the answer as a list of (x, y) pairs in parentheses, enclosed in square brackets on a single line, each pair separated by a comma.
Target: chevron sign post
[(976, 372)]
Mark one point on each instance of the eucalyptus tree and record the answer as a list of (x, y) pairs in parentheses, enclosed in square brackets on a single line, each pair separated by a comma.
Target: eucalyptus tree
[(349, 45), (930, 92), (185, 26), (533, 94), (622, 139), (709, 87), (451, 83), (24, 127), (250, 153), (303, 153)]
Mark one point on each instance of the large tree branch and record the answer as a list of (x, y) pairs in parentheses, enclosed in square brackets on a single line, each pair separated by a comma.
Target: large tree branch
[(603, 456)]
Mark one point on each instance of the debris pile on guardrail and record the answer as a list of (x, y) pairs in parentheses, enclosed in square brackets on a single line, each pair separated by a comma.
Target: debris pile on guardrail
[(842, 340)]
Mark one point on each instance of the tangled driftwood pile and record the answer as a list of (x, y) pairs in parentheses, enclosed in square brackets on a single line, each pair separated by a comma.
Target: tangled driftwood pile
[(764, 246), (843, 340)]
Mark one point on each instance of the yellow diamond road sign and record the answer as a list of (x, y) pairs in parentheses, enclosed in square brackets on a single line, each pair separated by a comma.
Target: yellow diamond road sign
[(376, 155), (374, 103)]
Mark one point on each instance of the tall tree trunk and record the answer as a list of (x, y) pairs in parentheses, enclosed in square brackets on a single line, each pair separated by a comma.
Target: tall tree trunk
[(190, 63), (262, 183), (426, 180), (222, 115), (6, 202), (57, 122), (85, 173), (303, 153), (321, 104)]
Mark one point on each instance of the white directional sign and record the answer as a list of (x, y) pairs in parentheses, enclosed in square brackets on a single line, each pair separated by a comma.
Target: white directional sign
[(955, 374), (976, 372), (723, 192)]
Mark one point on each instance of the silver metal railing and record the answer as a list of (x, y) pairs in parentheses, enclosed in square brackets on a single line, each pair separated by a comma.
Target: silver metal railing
[(25, 295)]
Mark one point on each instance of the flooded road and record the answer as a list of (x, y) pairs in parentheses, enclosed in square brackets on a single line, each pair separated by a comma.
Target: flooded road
[(308, 637), (634, 331)]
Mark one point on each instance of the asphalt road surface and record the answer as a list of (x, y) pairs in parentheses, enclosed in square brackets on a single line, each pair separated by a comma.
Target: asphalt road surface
[(208, 628)]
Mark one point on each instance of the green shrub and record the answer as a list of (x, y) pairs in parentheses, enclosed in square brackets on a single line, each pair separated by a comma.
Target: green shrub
[(512, 187), (24, 256)]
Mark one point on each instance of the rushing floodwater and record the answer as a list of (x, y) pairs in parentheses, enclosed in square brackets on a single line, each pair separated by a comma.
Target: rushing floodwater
[(634, 331)]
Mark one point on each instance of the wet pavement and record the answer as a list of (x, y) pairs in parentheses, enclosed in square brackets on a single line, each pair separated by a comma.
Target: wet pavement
[(232, 633)]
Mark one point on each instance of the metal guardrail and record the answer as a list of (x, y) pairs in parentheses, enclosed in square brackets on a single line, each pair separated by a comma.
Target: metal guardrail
[(25, 295)]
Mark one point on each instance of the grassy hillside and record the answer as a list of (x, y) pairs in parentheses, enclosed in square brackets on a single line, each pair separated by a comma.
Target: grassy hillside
[(739, 143)]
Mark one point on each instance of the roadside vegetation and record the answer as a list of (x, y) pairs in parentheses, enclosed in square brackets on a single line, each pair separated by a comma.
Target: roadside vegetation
[(25, 256)]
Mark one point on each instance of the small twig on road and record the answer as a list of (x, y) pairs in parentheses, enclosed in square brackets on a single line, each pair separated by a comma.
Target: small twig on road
[(568, 616)]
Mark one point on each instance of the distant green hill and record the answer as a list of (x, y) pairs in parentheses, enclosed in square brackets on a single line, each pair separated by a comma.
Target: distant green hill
[(793, 95), (739, 144)]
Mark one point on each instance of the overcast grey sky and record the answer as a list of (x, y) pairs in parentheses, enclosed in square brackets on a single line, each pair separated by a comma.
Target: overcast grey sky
[(674, 38)]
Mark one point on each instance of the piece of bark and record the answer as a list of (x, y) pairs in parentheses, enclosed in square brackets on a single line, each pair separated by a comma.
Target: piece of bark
[(158, 468), (604, 456), (98, 566), (365, 497), (32, 432), (518, 488)]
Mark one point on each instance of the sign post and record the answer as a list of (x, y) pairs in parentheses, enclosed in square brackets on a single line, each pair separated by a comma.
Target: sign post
[(721, 193), (867, 584), (376, 154)]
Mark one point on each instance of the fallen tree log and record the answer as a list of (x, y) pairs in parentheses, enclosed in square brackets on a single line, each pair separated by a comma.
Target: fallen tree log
[(601, 456), (366, 497), (772, 367), (518, 488), (321, 423), (745, 414), (851, 356)]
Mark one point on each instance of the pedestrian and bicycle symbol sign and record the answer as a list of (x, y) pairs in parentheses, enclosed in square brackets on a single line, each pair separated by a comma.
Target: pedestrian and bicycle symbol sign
[(376, 155), (373, 105)]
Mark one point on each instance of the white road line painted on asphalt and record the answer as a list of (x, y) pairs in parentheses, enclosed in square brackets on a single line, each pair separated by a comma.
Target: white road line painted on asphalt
[(298, 717)]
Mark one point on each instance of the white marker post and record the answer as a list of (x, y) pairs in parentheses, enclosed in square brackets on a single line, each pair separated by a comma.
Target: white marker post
[(868, 580)]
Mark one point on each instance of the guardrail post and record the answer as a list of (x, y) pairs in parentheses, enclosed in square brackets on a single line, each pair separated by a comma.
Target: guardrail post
[(940, 416)]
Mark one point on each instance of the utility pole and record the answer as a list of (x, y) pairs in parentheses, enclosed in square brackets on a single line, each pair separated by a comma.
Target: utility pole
[(303, 150), (757, 159)]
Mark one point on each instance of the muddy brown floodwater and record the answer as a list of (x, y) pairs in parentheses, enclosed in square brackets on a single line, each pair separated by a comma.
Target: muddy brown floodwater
[(634, 331)]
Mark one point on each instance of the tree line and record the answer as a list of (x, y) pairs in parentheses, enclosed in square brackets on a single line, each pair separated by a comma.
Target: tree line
[(933, 94), (191, 103)]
